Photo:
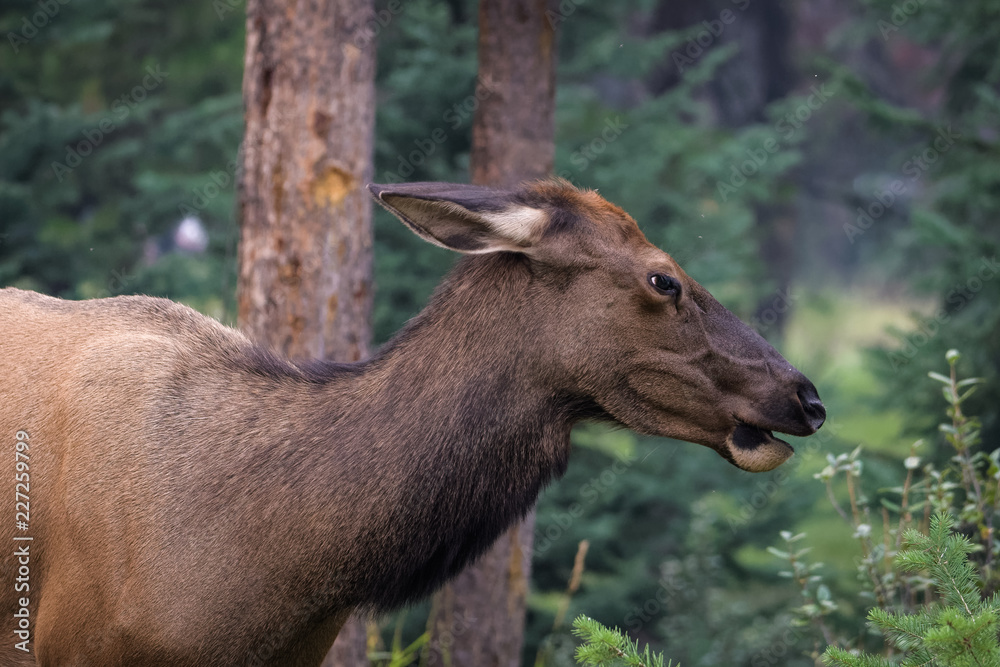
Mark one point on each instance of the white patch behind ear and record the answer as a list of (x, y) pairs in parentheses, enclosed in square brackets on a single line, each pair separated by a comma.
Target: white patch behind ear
[(515, 228), (521, 224)]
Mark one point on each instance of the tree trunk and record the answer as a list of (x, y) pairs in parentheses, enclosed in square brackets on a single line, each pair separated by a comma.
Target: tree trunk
[(305, 257), (306, 240), (513, 131), (478, 619)]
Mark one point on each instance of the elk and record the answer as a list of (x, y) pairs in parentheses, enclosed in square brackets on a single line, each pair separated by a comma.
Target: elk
[(195, 499)]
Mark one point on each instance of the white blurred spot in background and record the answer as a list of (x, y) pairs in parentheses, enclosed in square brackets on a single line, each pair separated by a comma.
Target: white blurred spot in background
[(190, 235)]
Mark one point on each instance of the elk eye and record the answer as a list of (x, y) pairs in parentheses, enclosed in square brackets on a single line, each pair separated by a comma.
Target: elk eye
[(665, 284)]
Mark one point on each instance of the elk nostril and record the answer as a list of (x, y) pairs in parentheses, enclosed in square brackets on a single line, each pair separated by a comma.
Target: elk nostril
[(812, 406)]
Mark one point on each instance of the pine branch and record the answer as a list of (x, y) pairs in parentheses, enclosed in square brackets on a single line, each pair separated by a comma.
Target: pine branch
[(905, 631), (841, 658), (606, 647), (946, 557), (960, 633)]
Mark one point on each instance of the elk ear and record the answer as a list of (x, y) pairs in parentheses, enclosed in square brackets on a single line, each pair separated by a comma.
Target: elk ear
[(466, 218)]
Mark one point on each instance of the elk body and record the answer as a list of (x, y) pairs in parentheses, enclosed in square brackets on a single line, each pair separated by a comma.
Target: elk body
[(197, 500)]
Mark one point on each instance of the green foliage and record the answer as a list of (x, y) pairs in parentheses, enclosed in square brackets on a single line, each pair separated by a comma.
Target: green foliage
[(399, 655), (931, 601), (946, 240), (426, 83), (116, 122), (659, 564), (663, 164), (960, 631), (817, 602), (678, 550), (606, 647)]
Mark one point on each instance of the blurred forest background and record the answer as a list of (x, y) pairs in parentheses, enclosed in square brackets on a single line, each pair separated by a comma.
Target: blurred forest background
[(829, 170)]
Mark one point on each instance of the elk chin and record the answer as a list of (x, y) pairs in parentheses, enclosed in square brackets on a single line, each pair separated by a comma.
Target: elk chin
[(755, 449)]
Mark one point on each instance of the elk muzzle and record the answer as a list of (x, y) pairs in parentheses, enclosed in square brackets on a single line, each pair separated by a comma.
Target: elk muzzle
[(752, 445)]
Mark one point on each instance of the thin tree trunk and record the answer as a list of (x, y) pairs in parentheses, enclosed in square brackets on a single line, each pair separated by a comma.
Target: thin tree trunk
[(478, 619), (305, 257)]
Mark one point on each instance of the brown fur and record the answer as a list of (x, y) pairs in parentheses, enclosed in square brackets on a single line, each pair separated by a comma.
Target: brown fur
[(196, 500)]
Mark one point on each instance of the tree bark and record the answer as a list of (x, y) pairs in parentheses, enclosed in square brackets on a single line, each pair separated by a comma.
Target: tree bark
[(305, 256), (513, 131), (478, 619), (305, 240)]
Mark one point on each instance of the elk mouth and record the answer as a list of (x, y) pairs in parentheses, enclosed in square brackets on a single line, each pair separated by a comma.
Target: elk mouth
[(755, 449)]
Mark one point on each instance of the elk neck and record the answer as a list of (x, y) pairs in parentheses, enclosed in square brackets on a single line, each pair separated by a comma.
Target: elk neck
[(444, 439)]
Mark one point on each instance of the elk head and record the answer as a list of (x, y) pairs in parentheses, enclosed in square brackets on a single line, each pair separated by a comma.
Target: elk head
[(622, 326)]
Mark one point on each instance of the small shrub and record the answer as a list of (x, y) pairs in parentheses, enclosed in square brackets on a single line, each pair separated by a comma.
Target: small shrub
[(932, 603)]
